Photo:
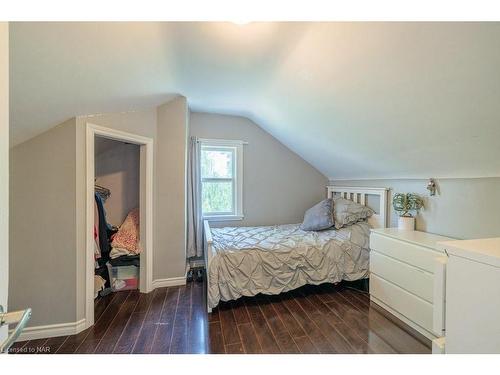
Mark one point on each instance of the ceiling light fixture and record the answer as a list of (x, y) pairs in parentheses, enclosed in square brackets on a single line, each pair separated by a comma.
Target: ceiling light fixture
[(241, 22)]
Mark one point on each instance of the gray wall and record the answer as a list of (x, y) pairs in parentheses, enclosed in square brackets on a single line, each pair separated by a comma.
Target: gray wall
[(137, 122), (43, 226), (170, 167), (48, 199), (47, 204), (4, 168), (117, 166), (278, 185), (463, 208)]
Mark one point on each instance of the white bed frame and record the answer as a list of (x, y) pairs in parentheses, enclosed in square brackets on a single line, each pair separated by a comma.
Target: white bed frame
[(356, 194), (360, 195)]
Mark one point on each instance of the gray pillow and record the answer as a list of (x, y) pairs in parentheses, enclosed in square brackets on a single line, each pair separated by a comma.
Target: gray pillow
[(319, 216), (347, 212)]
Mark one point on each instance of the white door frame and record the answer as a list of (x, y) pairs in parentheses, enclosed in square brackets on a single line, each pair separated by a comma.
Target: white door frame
[(146, 212)]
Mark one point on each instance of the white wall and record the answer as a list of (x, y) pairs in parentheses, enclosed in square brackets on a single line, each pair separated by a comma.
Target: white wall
[(117, 168), (463, 208), (278, 185), (4, 168)]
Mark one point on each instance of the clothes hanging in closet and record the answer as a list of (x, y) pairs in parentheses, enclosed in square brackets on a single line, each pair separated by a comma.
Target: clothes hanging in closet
[(103, 229), (102, 236), (97, 249)]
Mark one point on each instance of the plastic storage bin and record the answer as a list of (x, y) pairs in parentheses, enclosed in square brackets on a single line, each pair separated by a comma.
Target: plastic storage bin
[(123, 277)]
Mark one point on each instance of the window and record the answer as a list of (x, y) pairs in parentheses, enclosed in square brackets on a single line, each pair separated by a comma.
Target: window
[(221, 164)]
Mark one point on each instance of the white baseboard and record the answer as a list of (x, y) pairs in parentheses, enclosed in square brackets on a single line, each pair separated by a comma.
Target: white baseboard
[(65, 329), (52, 330), (173, 281)]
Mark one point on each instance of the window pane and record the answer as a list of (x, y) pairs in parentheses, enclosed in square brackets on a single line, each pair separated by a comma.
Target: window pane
[(216, 163), (217, 197)]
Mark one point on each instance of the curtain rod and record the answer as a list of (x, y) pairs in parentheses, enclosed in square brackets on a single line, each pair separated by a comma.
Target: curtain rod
[(201, 140)]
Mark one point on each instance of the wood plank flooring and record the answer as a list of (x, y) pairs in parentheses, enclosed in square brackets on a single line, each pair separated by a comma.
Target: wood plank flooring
[(311, 319)]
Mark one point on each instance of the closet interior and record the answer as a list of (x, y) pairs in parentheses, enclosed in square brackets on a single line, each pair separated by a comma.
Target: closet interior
[(116, 216)]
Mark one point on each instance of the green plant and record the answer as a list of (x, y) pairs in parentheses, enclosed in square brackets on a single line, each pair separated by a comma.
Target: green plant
[(404, 203)]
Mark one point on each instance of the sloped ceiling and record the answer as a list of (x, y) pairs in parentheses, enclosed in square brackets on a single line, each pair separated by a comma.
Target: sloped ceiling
[(356, 100)]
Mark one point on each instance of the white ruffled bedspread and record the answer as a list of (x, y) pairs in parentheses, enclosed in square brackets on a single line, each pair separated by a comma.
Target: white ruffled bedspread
[(274, 259)]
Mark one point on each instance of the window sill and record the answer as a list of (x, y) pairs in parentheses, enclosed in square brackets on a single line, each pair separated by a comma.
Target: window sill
[(224, 218)]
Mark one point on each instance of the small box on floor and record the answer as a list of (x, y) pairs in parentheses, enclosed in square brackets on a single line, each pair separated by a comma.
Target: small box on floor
[(123, 277)]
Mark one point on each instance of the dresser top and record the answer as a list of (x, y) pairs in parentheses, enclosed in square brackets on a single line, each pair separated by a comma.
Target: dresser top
[(486, 250), (413, 236)]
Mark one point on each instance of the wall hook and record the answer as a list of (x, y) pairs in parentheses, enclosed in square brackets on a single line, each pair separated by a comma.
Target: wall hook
[(431, 186)]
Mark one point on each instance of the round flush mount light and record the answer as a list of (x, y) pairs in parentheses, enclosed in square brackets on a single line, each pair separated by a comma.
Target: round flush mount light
[(241, 22)]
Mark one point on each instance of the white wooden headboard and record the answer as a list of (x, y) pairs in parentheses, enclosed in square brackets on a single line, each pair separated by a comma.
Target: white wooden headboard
[(360, 195)]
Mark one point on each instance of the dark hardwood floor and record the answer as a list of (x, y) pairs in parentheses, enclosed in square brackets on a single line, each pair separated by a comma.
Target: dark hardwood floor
[(312, 319)]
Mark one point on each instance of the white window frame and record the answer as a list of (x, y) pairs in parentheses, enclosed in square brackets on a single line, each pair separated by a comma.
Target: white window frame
[(237, 177)]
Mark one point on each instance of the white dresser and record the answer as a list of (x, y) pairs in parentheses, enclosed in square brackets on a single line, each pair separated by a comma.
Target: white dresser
[(472, 296), (403, 265)]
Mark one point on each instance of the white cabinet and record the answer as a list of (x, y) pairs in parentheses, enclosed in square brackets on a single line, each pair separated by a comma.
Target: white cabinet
[(472, 296), (406, 278)]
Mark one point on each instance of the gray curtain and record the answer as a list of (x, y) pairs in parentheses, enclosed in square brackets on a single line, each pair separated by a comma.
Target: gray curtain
[(194, 222)]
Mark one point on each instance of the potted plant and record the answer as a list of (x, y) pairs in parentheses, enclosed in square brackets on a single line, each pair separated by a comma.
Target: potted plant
[(404, 204)]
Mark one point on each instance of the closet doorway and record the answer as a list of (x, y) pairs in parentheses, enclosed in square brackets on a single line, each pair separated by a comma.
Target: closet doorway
[(131, 188)]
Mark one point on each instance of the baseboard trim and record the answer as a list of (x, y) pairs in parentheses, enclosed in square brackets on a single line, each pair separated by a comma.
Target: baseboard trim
[(66, 329), (52, 330), (173, 281)]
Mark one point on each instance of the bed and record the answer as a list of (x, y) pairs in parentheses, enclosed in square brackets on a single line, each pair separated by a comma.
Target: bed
[(246, 261)]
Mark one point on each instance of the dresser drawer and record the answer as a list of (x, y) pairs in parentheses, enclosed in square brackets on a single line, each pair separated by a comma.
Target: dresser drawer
[(407, 304), (417, 256), (414, 280)]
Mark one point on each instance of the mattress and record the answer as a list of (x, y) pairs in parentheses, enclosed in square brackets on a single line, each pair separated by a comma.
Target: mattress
[(273, 259)]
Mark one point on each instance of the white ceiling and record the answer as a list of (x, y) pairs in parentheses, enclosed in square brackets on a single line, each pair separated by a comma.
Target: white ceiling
[(356, 100)]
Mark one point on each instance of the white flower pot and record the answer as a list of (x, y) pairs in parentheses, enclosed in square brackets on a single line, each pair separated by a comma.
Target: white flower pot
[(406, 223)]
